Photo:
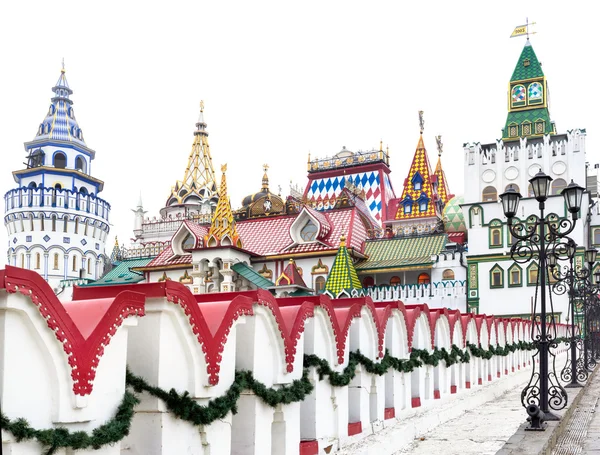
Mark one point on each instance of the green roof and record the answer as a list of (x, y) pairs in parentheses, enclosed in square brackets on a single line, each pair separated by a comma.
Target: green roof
[(406, 253), (531, 115), (121, 273), (528, 65), (251, 275), (343, 274)]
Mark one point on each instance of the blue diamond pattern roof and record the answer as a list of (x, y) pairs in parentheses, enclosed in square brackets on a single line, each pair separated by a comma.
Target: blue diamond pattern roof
[(60, 122)]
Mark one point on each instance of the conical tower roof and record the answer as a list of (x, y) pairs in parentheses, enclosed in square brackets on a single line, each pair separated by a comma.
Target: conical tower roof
[(528, 113), (60, 124), (223, 230), (418, 188), (291, 276), (199, 178), (443, 190), (343, 275)]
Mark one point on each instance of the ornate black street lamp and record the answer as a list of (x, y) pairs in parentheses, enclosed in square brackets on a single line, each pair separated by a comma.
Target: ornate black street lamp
[(536, 237), (588, 291), (567, 278)]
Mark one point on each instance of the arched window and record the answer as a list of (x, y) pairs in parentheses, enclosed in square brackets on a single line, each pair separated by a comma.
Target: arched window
[(42, 228), (31, 222), (65, 223), (38, 260), (308, 232), (532, 274), (489, 194), (22, 261), (557, 186), (319, 285), (395, 281), (496, 237), (55, 264), (60, 160), (53, 223), (597, 236), (368, 281), (448, 274), (74, 263), (85, 228), (514, 276), (530, 192), (80, 164), (76, 221), (512, 186), (496, 277), (89, 266), (424, 278)]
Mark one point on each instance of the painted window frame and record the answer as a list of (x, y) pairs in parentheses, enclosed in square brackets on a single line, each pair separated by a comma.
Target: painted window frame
[(493, 270), (512, 268), (530, 267), (496, 225)]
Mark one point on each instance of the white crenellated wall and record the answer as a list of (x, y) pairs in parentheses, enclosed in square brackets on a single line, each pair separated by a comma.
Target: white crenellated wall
[(196, 343)]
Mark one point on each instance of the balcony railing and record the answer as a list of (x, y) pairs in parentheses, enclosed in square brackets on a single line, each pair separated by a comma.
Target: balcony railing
[(406, 292), (44, 198)]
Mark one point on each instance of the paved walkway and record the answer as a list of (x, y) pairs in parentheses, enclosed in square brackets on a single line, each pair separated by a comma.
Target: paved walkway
[(582, 434), (475, 423)]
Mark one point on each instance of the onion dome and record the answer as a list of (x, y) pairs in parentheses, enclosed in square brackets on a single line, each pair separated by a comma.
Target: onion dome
[(262, 203), (454, 221)]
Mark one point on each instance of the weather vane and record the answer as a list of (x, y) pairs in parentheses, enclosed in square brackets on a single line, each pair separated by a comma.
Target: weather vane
[(523, 29), (440, 146), (224, 167), (421, 121)]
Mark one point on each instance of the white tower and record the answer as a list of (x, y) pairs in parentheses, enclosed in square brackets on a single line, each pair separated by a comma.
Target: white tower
[(57, 225)]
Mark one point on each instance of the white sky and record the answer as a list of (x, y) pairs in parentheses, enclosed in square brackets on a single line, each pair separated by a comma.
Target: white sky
[(280, 79)]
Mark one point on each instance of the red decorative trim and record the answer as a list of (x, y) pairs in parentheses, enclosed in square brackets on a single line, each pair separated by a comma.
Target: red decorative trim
[(513, 369), (83, 353), (436, 395), (489, 378), (467, 385), (416, 402), (479, 381), (354, 428), (453, 389), (219, 317), (389, 413), (309, 447)]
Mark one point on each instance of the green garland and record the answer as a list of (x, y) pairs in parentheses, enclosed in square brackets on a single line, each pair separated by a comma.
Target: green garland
[(186, 408), (52, 439)]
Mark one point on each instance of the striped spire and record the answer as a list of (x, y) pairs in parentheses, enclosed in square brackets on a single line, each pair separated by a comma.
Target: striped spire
[(60, 123), (343, 275)]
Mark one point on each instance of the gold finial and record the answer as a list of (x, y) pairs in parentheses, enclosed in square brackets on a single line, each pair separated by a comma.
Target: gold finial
[(201, 105), (292, 261), (381, 145), (265, 167), (309, 157), (63, 65), (265, 179), (421, 121), (343, 240), (224, 167), (440, 146), (116, 241)]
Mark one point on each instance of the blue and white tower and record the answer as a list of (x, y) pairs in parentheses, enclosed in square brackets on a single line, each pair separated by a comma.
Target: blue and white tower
[(57, 225)]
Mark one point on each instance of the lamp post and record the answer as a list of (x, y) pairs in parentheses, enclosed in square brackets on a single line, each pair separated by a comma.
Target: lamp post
[(537, 237), (567, 281)]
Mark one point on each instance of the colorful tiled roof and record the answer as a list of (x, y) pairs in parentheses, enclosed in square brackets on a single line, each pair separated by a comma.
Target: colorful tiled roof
[(121, 273), (167, 258), (198, 231), (60, 122), (343, 274), (530, 115), (290, 276), (251, 275), (454, 220), (199, 179), (401, 253), (223, 226), (442, 190), (528, 65), (421, 170), (271, 236)]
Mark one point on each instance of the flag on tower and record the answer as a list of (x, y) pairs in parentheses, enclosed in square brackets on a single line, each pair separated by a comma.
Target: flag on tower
[(519, 31)]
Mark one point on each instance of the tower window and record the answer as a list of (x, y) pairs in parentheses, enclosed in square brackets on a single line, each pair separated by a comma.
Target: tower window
[(448, 274), (22, 261), (53, 223), (526, 127), (489, 194), (539, 127), (74, 263), (80, 164), (408, 208), (395, 281), (60, 160), (496, 237), (557, 186), (319, 284), (55, 266), (38, 260), (89, 266), (496, 277)]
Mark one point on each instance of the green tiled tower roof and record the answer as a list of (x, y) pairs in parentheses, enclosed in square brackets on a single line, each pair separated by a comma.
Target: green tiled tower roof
[(528, 65), (528, 113), (343, 274)]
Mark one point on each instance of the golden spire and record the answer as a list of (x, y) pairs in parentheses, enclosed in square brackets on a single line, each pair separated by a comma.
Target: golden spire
[(199, 173), (381, 145), (223, 230), (265, 180)]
